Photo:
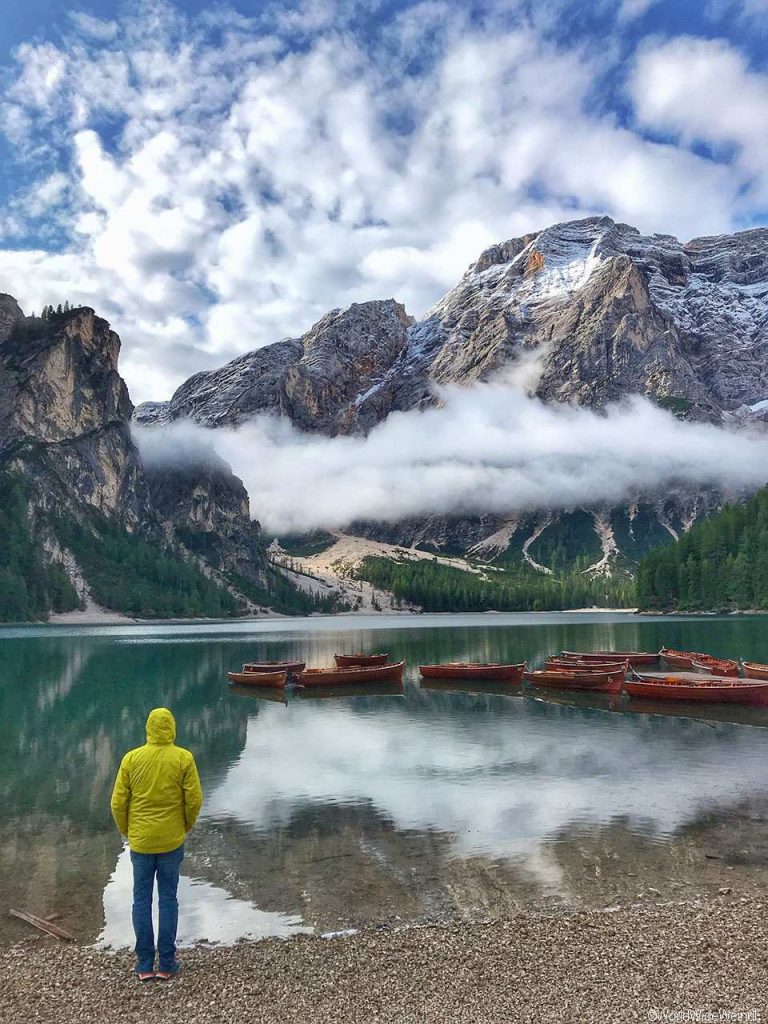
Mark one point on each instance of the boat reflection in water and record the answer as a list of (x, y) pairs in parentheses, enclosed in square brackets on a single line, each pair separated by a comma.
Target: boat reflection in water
[(276, 694), (361, 690), (737, 714), (471, 686)]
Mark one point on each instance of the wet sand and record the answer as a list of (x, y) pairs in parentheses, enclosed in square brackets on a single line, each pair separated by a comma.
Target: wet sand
[(589, 966)]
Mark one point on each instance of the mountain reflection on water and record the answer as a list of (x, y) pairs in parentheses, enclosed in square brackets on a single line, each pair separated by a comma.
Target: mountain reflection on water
[(418, 805)]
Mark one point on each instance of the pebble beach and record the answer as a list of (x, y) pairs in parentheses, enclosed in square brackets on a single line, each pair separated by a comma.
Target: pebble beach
[(642, 963)]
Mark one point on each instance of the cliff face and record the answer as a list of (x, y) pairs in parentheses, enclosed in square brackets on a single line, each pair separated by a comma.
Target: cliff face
[(610, 312), (206, 508), (602, 310), (607, 312), (65, 425), (65, 415), (319, 381)]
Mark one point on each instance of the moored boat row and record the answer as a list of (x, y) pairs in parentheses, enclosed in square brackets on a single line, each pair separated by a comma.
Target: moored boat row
[(699, 677), (349, 669)]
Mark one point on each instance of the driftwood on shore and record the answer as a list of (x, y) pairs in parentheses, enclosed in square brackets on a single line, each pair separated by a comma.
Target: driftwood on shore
[(43, 924)]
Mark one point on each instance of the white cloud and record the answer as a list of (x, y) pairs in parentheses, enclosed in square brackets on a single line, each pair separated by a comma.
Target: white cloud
[(218, 177), (96, 28), (703, 90), (489, 448), (631, 9), (752, 12)]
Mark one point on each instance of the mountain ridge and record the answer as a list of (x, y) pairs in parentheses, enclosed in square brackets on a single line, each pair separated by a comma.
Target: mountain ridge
[(601, 309), (85, 515), (610, 310)]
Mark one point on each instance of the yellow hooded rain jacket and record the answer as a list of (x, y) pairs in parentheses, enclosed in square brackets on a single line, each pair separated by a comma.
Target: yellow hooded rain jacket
[(157, 794)]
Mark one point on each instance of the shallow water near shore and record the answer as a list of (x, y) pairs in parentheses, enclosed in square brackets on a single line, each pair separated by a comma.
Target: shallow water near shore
[(381, 809)]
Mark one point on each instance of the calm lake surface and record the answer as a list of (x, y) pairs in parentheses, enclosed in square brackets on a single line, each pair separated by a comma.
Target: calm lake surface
[(336, 813)]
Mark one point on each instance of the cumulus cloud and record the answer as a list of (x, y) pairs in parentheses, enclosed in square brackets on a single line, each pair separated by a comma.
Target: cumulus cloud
[(97, 28), (230, 179), (631, 9), (751, 12), (703, 90), (488, 448)]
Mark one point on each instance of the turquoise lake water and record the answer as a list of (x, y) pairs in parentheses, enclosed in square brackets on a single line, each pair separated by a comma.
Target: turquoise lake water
[(380, 809)]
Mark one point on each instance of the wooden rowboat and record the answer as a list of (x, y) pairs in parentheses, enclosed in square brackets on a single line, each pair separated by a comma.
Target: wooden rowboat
[(697, 662), (633, 657), (716, 666), (474, 670), (257, 678), (568, 665), (275, 666), (740, 691), (678, 659), (356, 674), (604, 682), (349, 660), (755, 670)]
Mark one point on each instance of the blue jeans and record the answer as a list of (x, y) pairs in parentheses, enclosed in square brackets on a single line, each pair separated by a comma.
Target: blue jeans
[(166, 867)]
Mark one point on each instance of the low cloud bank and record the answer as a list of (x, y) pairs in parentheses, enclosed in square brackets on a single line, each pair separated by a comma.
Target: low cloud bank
[(488, 448)]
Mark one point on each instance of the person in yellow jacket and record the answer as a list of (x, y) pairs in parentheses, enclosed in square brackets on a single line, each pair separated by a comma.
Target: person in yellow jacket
[(155, 802)]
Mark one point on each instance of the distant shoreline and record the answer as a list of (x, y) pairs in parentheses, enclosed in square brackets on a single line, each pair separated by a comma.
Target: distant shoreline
[(107, 618), (117, 619)]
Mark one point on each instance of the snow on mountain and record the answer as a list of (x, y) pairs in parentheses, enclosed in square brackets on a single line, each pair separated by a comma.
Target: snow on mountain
[(602, 310)]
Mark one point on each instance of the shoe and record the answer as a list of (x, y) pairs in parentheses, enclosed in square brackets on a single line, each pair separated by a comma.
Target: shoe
[(166, 975), (145, 975)]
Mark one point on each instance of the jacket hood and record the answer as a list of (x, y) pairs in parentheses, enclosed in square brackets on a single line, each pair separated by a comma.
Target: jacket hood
[(161, 726)]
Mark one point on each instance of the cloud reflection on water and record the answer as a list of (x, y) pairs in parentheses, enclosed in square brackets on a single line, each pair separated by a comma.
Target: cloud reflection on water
[(206, 913), (501, 783)]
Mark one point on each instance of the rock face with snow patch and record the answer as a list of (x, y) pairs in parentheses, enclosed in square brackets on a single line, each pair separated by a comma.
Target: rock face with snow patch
[(321, 381), (602, 310), (607, 311)]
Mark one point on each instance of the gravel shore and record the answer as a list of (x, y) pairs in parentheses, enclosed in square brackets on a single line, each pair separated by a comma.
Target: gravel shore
[(589, 966)]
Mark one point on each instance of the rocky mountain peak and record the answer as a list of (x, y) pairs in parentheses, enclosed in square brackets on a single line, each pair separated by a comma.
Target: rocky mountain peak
[(319, 381), (610, 312), (345, 355), (65, 426), (607, 310), (10, 314), (65, 414), (65, 375)]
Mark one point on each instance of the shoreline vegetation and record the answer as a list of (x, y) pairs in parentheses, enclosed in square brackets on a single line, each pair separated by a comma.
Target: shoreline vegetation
[(720, 563), (614, 964), (107, 618), (93, 572)]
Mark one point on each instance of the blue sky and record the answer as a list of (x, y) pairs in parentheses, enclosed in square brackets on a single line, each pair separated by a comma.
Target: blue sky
[(212, 178)]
